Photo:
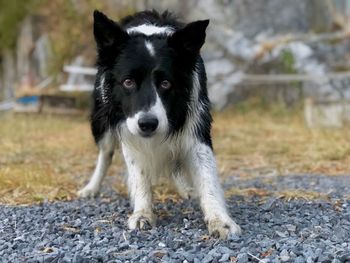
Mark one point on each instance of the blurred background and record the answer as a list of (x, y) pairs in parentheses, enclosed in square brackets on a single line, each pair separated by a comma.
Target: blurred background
[(278, 78)]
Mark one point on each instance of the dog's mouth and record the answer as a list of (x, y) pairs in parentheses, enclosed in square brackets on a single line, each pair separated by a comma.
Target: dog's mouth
[(147, 134)]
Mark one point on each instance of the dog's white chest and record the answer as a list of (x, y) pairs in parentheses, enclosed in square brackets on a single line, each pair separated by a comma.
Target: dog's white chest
[(157, 158)]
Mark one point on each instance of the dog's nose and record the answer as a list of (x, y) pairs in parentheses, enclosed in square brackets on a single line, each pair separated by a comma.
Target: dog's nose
[(148, 124)]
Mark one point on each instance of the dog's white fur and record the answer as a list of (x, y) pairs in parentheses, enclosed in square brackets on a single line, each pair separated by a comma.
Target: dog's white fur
[(106, 147), (183, 159), (148, 30), (150, 48)]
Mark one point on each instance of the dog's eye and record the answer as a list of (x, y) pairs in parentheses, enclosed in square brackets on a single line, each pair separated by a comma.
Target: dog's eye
[(165, 84), (129, 84)]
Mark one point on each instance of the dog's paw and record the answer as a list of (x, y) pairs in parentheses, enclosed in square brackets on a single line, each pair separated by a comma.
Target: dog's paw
[(141, 220), (88, 191), (223, 228)]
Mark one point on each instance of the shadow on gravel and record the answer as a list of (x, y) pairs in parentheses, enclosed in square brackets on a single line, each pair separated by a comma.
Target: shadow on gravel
[(274, 230)]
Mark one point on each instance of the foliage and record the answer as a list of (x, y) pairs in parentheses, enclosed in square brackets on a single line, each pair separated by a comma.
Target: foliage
[(11, 15), (67, 23), (288, 61)]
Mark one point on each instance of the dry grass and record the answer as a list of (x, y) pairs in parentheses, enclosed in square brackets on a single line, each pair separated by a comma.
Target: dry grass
[(42, 156), (47, 157), (288, 195), (276, 141)]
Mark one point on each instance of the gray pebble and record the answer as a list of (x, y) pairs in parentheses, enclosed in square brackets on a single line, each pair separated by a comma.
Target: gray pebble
[(284, 256), (207, 259), (242, 258), (299, 260), (224, 258)]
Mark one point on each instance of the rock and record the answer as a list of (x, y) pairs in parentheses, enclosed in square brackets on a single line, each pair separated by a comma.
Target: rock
[(207, 259), (224, 257), (219, 68), (281, 234), (291, 228), (344, 257), (161, 244), (299, 260), (253, 17), (284, 256), (242, 258), (220, 91)]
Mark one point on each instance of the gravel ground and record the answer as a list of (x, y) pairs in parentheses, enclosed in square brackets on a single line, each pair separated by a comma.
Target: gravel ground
[(274, 230)]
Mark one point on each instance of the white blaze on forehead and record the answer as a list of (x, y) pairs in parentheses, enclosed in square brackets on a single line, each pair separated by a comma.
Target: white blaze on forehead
[(149, 30), (150, 48)]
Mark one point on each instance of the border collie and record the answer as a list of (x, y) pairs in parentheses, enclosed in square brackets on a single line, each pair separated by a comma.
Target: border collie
[(150, 96)]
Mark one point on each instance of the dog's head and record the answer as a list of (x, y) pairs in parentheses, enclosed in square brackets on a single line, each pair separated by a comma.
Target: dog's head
[(149, 70)]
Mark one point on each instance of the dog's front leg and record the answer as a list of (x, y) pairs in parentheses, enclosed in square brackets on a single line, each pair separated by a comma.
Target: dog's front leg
[(202, 167), (106, 146), (140, 190)]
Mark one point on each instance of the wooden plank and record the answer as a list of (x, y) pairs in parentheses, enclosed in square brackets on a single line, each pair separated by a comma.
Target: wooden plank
[(277, 78), (80, 70), (76, 87), (7, 105)]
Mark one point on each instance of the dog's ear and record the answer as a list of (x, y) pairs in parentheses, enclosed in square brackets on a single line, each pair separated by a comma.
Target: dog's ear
[(190, 38), (107, 32)]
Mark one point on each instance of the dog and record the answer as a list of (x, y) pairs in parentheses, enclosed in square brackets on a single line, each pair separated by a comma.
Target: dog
[(150, 97)]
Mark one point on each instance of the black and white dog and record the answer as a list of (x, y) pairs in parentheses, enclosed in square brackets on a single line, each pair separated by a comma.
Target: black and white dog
[(150, 96)]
